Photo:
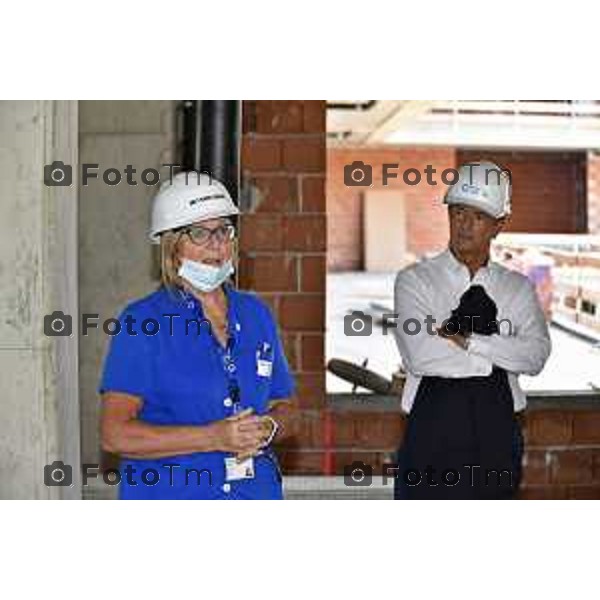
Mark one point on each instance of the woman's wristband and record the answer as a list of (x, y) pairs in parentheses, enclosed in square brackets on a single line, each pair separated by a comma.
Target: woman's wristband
[(274, 430)]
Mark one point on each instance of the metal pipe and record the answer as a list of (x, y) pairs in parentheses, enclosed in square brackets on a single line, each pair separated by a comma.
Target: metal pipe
[(220, 142), (188, 139), (210, 140)]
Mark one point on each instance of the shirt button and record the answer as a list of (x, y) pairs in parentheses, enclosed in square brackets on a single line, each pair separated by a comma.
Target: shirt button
[(228, 402), (226, 488)]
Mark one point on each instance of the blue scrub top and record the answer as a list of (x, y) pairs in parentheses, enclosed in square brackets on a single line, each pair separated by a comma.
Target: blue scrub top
[(185, 377)]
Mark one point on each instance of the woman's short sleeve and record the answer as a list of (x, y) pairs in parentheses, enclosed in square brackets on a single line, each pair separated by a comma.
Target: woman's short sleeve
[(282, 382), (127, 366)]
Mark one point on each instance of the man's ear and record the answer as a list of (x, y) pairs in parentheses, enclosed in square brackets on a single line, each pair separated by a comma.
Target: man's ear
[(499, 226)]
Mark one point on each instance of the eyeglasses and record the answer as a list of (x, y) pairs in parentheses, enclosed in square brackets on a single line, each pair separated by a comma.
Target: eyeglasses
[(201, 236)]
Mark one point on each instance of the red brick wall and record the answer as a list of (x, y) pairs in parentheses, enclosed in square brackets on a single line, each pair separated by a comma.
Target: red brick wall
[(283, 238), (593, 183), (337, 437), (549, 189), (549, 196), (563, 454), (282, 257), (426, 219)]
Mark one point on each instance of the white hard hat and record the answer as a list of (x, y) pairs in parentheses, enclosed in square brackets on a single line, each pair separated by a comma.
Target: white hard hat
[(482, 185), (188, 198)]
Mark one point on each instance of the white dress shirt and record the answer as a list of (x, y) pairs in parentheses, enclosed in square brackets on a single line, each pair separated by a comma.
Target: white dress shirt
[(434, 287)]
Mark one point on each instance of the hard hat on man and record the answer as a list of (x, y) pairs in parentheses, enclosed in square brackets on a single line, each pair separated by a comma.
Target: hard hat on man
[(482, 185)]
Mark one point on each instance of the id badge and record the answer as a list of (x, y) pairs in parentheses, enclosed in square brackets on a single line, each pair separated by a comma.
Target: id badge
[(236, 470), (264, 368), (264, 360)]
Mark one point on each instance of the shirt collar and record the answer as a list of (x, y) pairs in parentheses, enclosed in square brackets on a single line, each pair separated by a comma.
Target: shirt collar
[(233, 321), (454, 265), (182, 296)]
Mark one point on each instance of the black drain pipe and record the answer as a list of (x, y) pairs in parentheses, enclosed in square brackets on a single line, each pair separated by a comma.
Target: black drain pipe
[(210, 140)]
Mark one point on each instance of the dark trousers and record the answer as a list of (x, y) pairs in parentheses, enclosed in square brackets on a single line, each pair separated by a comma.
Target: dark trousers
[(462, 441)]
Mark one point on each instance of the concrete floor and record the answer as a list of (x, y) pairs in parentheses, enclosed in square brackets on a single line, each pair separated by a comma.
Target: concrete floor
[(571, 366)]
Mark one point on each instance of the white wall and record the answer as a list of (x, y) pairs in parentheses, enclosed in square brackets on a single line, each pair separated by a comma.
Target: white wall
[(116, 262), (75, 249), (38, 263)]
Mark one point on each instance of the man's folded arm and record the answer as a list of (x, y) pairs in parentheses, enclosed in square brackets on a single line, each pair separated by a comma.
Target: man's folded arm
[(528, 348), (423, 353)]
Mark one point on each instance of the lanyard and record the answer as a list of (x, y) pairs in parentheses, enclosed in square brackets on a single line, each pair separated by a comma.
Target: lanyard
[(225, 355)]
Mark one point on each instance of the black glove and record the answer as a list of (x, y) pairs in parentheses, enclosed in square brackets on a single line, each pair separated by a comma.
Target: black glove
[(475, 313)]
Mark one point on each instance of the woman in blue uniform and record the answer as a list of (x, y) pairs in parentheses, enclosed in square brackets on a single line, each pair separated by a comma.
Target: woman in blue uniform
[(195, 385)]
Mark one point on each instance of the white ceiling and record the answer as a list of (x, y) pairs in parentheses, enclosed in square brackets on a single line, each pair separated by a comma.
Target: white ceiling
[(559, 124)]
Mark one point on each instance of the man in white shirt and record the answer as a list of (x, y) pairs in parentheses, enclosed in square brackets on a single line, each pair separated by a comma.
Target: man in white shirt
[(467, 327)]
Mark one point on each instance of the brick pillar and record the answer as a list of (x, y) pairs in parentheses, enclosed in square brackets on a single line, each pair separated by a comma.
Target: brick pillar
[(283, 247), (593, 197)]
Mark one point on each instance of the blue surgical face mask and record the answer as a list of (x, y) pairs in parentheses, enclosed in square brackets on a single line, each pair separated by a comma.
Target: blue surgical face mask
[(203, 277)]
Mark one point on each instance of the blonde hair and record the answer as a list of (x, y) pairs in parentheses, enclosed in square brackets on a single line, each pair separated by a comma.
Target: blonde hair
[(169, 261)]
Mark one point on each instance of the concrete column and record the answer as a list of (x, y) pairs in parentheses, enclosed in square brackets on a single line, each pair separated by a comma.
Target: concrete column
[(39, 415), (117, 263)]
